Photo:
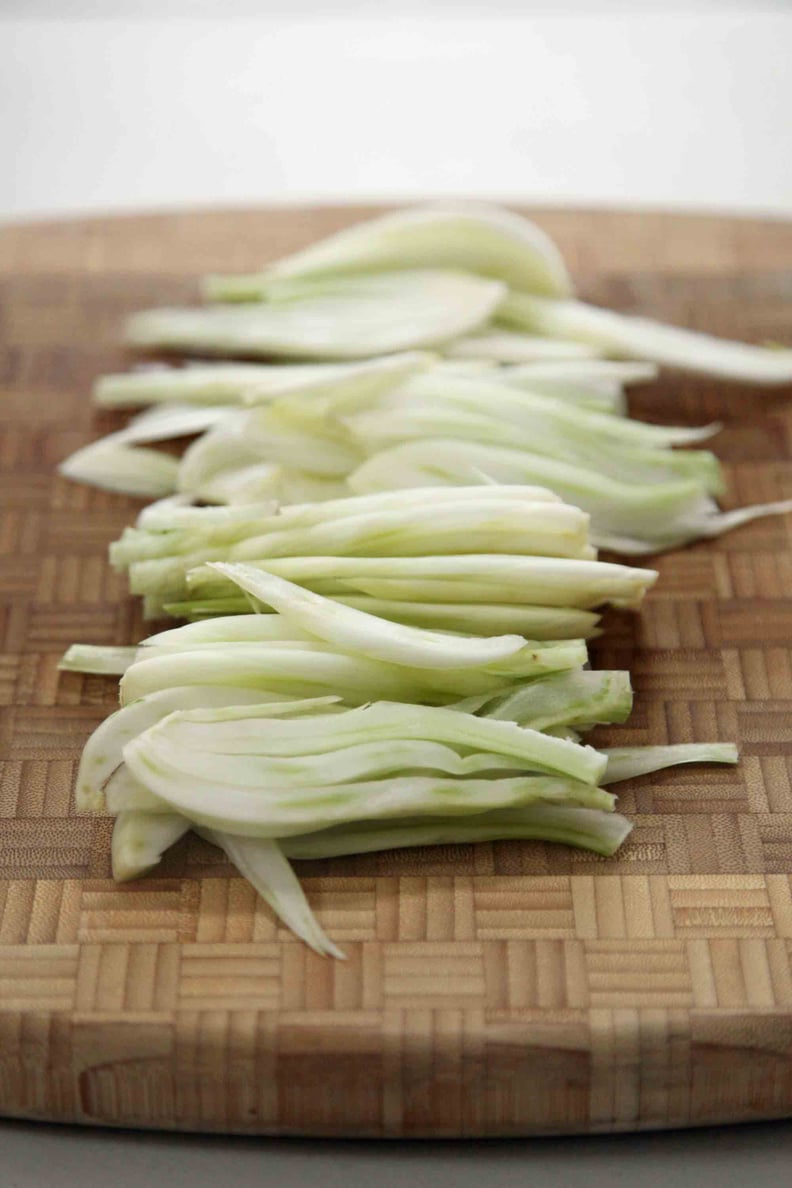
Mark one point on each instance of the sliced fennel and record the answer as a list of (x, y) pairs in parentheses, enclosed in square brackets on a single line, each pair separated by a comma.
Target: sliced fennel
[(103, 752), (587, 829), (298, 437), (532, 581), (178, 529), (107, 661), (307, 515), (511, 346), (352, 382), (230, 383), (578, 698), (225, 449), (342, 318), (113, 465), (204, 383), (545, 416), (477, 239), (257, 731), (253, 453), (276, 813), (361, 762), (312, 670), (602, 396), (532, 622), (458, 611), (140, 544), (548, 373), (167, 421), (140, 839), (351, 545), (497, 243), (626, 762), (546, 808), (597, 383), (152, 516), (241, 484), (249, 484), (628, 517), (262, 863), (227, 629), (606, 448), (487, 518), (642, 338), (526, 581), (473, 618), (487, 526), (124, 794), (364, 634)]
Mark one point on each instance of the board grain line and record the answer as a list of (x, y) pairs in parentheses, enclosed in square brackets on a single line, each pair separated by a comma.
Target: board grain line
[(506, 988)]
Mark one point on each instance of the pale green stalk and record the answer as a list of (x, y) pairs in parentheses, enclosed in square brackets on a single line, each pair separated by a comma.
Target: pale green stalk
[(479, 239), (537, 581), (103, 752), (587, 829), (254, 730), (488, 526), (314, 670), (622, 372), (104, 660), (511, 346), (630, 517), (641, 338), (177, 514), (539, 414), (113, 465), (231, 383), (366, 635), (343, 318), (140, 839), (626, 762), (578, 698), (308, 515), (597, 451), (262, 863), (532, 622), (275, 813), (247, 628), (185, 529), (242, 484)]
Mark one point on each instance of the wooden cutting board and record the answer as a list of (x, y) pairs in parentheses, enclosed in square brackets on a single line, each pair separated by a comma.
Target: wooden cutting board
[(500, 989)]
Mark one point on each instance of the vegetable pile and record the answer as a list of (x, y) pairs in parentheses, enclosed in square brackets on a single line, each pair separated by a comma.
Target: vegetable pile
[(386, 542), (321, 729)]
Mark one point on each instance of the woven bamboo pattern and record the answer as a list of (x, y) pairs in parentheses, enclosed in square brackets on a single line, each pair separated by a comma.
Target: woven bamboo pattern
[(509, 988)]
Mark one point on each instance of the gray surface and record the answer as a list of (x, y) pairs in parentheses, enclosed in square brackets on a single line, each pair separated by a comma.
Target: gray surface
[(33, 1155)]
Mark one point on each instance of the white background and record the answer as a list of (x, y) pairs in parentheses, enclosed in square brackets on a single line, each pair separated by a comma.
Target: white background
[(108, 105)]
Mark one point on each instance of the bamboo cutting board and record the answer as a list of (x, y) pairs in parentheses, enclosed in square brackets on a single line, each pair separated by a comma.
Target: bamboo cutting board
[(503, 989)]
